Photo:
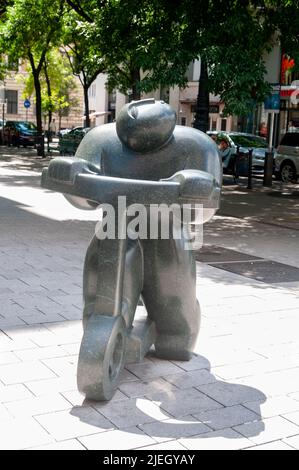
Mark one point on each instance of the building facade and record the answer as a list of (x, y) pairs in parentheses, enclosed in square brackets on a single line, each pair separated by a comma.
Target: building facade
[(12, 99)]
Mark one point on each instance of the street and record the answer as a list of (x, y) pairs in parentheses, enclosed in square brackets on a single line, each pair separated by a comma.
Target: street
[(240, 390)]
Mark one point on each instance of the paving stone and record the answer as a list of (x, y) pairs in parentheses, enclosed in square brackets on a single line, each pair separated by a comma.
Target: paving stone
[(293, 417), (131, 438), (131, 412), (152, 370), (38, 318), (80, 421), (226, 417), (255, 367), (293, 441), (4, 414), (181, 403), (77, 399), (55, 385), (226, 439), (196, 363), (294, 396), (37, 334), (273, 406), (276, 383), (24, 372), (72, 349), (174, 428), (22, 434), (212, 253), (10, 322), (12, 393), (191, 379), (229, 394), (169, 445), (270, 429), (38, 406), (40, 353), (138, 388), (275, 445), (8, 358), (127, 376), (71, 444), (62, 366)]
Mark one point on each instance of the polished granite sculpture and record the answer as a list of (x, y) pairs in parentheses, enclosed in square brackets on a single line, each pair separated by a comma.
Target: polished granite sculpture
[(149, 160)]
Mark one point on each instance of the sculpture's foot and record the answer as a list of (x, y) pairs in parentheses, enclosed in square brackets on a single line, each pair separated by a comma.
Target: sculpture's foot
[(101, 357), (174, 347)]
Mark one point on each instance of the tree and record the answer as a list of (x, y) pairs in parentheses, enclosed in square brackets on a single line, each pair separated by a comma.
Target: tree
[(84, 58), (57, 84), (138, 42), (29, 29)]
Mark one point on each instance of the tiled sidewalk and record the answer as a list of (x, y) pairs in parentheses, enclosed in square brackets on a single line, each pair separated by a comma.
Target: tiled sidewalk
[(241, 389)]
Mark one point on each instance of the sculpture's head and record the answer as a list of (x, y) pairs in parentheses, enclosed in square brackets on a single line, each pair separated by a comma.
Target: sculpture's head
[(145, 125)]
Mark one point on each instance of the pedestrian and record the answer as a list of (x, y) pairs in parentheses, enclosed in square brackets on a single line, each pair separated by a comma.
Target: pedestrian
[(53, 128), (225, 152), (263, 130)]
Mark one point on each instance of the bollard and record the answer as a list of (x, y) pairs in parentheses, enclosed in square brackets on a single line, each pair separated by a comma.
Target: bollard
[(40, 144), (249, 184), (268, 169), (236, 165)]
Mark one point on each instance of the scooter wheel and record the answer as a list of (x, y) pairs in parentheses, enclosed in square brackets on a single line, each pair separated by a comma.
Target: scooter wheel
[(101, 357)]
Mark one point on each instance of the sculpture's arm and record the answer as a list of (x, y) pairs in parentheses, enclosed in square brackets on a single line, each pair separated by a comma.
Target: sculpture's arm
[(77, 177), (197, 187)]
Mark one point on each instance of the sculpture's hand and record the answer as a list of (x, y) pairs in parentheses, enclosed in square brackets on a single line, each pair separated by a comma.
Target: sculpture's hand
[(196, 185), (65, 169)]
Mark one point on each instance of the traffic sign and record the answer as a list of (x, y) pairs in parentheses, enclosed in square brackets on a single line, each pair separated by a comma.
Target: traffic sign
[(27, 103)]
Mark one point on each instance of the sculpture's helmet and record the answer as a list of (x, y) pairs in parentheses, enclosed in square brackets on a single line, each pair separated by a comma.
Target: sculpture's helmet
[(145, 125)]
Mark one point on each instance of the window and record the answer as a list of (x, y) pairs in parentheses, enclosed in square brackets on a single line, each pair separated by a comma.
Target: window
[(183, 121), (12, 101), (223, 124), (92, 90), (213, 125)]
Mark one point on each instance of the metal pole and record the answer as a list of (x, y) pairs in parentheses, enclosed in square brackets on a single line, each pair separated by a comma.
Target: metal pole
[(3, 115), (249, 184), (271, 131), (268, 169), (236, 165)]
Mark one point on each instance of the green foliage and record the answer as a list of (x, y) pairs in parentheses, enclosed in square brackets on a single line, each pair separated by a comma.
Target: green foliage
[(30, 27), (61, 80)]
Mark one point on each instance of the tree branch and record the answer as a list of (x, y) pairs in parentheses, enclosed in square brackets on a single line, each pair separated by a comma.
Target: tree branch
[(78, 9)]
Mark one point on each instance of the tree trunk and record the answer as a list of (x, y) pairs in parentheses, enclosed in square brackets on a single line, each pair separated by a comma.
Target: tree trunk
[(201, 120), (49, 92), (38, 114), (135, 78), (86, 105)]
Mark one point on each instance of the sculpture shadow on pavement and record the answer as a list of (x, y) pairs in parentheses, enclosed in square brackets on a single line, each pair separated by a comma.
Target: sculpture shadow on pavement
[(174, 411)]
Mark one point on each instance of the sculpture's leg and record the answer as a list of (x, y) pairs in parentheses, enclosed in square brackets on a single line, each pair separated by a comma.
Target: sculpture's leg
[(112, 286), (132, 284), (169, 295)]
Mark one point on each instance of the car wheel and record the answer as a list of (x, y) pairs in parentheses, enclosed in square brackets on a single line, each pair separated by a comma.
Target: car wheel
[(288, 173)]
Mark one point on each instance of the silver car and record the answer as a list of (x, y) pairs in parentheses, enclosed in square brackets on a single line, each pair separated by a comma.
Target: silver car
[(245, 142), (287, 159)]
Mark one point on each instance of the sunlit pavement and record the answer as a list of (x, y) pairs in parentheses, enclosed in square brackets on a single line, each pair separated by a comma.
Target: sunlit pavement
[(240, 390)]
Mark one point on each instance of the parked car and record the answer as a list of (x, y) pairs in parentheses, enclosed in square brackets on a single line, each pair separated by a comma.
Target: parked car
[(1, 129), (245, 142), (69, 141), (287, 158), (19, 133), (63, 131)]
